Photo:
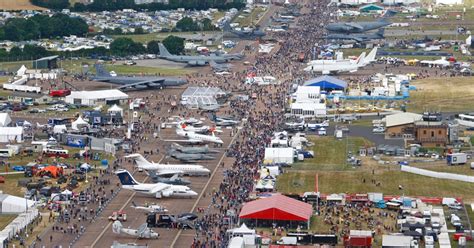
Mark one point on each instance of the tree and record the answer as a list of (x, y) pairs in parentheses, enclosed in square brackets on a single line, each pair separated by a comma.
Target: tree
[(186, 24), (153, 47), (125, 46), (207, 25), (174, 44), (139, 30)]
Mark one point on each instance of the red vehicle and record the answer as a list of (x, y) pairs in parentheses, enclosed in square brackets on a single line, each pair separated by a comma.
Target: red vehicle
[(60, 93)]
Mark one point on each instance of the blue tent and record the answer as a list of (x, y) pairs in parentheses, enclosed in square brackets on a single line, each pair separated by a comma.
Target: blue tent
[(327, 83)]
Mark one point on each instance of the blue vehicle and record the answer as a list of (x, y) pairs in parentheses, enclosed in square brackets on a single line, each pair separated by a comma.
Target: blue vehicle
[(306, 154), (18, 168)]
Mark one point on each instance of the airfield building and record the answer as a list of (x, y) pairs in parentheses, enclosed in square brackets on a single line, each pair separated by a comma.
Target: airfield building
[(401, 125), (97, 97), (49, 63), (327, 83)]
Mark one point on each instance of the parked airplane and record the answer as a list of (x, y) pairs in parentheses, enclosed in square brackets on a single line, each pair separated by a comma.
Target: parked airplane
[(135, 83), (159, 190), (251, 34), (143, 231), (176, 179), (219, 67), (168, 169), (342, 66), (439, 62), (150, 208), (193, 149), (197, 138), (360, 27), (224, 120), (188, 157), (357, 37), (201, 129), (193, 60)]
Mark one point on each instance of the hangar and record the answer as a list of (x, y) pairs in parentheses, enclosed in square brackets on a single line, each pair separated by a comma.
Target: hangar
[(277, 209), (327, 83)]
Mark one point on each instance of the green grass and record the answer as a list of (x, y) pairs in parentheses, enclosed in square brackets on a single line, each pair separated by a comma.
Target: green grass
[(250, 19), (330, 153), (11, 183), (352, 182), (6, 219), (442, 94), (145, 38), (13, 66)]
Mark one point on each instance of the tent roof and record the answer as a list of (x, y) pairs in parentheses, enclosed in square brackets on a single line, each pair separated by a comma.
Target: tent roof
[(98, 94), (80, 121), (242, 229), (401, 119), (327, 82), (369, 7), (5, 119), (115, 108), (277, 207), (11, 130)]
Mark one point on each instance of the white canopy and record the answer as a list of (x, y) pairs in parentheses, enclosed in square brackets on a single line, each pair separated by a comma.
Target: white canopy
[(21, 71), (243, 229), (79, 123), (59, 129), (115, 110), (85, 166), (66, 192), (5, 119)]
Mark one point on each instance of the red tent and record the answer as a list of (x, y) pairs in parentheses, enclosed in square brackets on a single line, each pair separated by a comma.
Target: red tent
[(277, 207)]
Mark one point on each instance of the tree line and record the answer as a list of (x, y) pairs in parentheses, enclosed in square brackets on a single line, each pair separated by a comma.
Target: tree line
[(42, 26), (119, 47), (111, 5)]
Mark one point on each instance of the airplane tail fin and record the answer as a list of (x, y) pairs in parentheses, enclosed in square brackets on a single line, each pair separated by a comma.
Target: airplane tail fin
[(380, 32), (117, 227), (163, 50), (126, 178), (100, 71), (371, 57), (360, 58), (389, 13), (139, 160)]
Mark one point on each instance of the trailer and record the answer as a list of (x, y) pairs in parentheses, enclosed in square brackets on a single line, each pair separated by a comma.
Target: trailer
[(456, 158)]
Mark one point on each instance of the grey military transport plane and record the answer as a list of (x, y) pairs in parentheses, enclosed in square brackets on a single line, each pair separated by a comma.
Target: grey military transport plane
[(135, 83), (197, 60), (357, 37), (360, 27)]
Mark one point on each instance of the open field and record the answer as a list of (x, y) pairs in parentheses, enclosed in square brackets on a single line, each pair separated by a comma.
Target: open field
[(11, 184), (145, 38), (337, 177), (442, 94), (250, 19), (331, 154), (18, 5)]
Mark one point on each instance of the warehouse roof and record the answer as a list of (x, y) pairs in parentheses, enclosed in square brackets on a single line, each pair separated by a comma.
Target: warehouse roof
[(401, 119), (48, 58), (99, 94), (277, 207)]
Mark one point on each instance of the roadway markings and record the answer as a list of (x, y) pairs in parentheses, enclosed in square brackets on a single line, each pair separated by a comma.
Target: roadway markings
[(205, 187), (121, 209)]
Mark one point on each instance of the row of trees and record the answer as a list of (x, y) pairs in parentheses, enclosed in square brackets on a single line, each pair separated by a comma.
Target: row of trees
[(42, 26), (119, 47), (111, 5), (187, 24)]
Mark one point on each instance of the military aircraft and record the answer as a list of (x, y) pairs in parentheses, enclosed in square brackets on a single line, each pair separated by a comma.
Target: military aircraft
[(150, 208), (200, 60), (250, 34), (192, 149), (357, 37), (168, 169), (341, 61), (143, 231), (189, 157), (360, 27), (135, 83), (159, 190), (176, 179), (193, 137), (219, 67), (224, 120)]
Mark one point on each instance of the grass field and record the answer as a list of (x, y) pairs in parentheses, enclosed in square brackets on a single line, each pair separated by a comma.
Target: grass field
[(145, 38), (442, 94), (337, 177), (250, 19), (331, 154), (11, 184), (18, 5)]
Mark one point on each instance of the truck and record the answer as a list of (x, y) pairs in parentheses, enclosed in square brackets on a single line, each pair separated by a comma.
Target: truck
[(456, 158), (287, 241)]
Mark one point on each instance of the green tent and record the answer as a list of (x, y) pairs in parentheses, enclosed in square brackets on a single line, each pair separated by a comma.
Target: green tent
[(370, 8)]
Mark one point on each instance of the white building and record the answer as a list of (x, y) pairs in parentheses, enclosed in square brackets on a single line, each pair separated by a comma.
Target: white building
[(308, 109), (279, 155), (11, 134), (13, 204), (97, 97), (307, 94)]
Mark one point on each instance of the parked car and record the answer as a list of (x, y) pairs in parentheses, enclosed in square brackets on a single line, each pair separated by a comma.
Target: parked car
[(378, 130), (18, 168)]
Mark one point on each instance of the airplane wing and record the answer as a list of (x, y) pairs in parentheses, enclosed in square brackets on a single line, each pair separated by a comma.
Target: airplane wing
[(354, 25), (159, 187), (193, 141), (142, 84), (141, 229)]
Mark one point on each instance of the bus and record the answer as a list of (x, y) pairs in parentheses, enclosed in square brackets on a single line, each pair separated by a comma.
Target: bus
[(56, 152)]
